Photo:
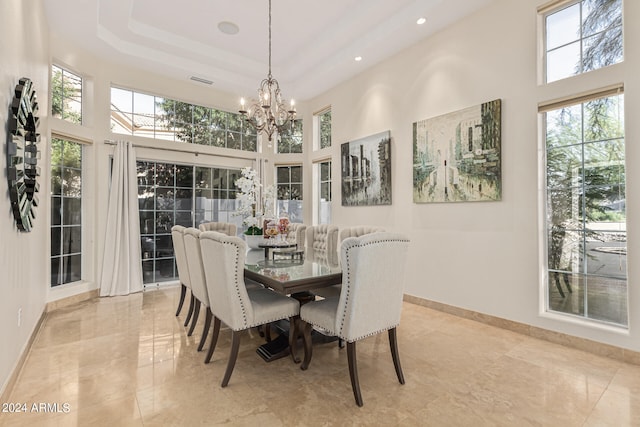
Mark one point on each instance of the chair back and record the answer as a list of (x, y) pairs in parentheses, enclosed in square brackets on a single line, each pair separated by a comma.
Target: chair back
[(296, 234), (221, 227), (373, 272), (224, 273), (177, 237), (195, 263), (357, 231), (322, 243)]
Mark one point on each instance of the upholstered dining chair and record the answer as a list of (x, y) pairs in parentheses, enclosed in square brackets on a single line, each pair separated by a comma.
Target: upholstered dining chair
[(221, 227), (177, 237), (198, 285), (231, 302), (357, 231), (297, 234), (322, 243), (373, 271)]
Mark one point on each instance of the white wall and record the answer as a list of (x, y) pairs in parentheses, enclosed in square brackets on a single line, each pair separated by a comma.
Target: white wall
[(24, 53), (480, 256)]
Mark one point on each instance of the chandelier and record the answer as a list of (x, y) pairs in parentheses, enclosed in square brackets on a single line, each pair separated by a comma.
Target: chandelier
[(268, 114)]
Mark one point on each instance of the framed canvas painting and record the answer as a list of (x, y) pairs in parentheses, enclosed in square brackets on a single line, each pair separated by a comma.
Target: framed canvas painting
[(456, 156), (366, 171)]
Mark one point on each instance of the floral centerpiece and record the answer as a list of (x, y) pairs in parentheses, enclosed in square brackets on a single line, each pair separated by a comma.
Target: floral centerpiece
[(250, 204)]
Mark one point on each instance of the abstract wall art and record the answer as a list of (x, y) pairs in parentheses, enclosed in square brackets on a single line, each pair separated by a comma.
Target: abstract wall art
[(457, 156), (366, 170)]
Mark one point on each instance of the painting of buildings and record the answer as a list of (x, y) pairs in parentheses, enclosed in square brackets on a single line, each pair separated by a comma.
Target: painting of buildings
[(456, 156), (366, 171)]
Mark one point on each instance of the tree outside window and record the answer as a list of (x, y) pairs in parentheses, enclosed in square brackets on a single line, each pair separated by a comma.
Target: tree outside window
[(66, 95), (586, 212), (582, 37)]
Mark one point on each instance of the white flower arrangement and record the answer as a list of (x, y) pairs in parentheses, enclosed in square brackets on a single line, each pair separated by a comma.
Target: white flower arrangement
[(249, 195)]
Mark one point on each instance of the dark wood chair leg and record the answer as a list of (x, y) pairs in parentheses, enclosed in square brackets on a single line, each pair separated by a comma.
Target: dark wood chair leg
[(196, 312), (308, 348), (214, 339), (393, 343), (340, 343), (267, 331), (353, 372), (183, 293), (192, 301), (293, 338), (205, 330), (235, 345)]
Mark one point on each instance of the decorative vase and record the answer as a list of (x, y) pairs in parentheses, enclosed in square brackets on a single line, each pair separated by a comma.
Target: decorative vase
[(253, 241)]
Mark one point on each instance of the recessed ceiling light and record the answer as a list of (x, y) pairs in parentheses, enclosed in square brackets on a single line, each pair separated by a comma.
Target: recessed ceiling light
[(358, 58), (228, 27), (421, 20)]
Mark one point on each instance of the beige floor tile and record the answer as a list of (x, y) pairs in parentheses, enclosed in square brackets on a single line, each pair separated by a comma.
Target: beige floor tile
[(127, 361)]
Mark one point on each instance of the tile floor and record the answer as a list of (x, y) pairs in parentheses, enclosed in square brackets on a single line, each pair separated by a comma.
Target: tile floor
[(126, 361)]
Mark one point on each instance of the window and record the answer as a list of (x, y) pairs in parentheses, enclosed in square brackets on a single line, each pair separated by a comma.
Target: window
[(324, 200), (66, 95), (291, 138), (167, 195), (322, 122), (150, 116), (215, 196), (586, 234), (289, 192), (66, 211), (583, 36)]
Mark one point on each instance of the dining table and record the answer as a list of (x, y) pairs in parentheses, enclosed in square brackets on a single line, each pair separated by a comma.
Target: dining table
[(295, 277)]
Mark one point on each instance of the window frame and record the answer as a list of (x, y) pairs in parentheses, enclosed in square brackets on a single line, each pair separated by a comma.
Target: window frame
[(67, 74), (280, 203), (556, 6), (291, 138), (212, 122), (60, 254), (583, 274), (317, 128), (152, 236), (318, 198)]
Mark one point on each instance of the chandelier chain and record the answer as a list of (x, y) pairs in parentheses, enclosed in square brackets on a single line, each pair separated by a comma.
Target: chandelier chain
[(269, 38)]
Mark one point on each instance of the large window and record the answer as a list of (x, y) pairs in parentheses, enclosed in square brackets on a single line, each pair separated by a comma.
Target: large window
[(168, 194), (150, 116), (66, 95), (66, 211), (586, 236), (289, 192), (291, 138), (324, 193), (582, 36)]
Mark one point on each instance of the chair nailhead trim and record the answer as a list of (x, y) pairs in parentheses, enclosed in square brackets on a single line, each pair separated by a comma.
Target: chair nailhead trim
[(236, 284)]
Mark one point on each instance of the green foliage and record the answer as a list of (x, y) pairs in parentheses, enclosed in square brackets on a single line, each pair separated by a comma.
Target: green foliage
[(66, 93), (325, 129), (205, 126), (253, 231), (291, 138)]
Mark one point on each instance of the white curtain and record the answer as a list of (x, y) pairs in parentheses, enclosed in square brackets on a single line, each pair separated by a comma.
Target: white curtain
[(121, 265)]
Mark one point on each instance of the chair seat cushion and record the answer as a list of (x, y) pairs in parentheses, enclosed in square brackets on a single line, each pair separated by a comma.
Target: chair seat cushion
[(322, 313), (269, 306)]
